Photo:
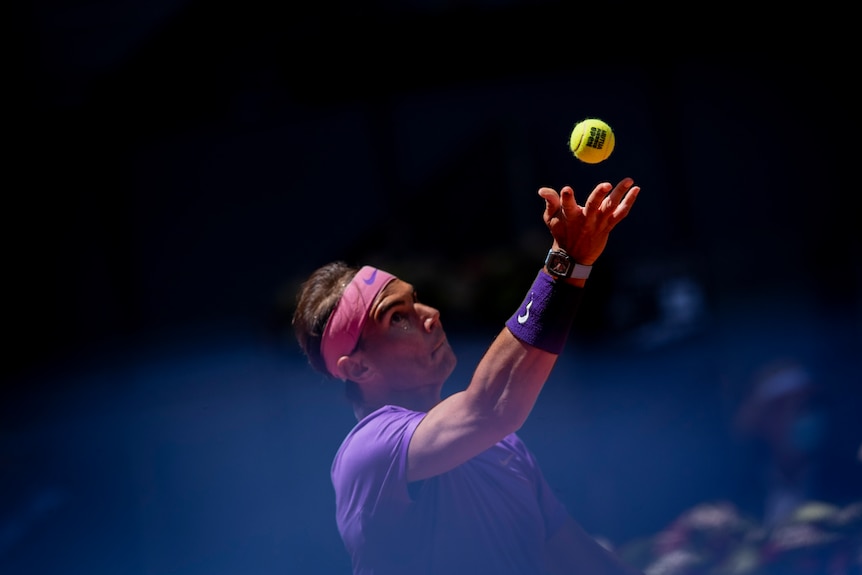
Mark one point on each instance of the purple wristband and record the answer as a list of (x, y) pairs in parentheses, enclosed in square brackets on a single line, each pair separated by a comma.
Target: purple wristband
[(545, 317)]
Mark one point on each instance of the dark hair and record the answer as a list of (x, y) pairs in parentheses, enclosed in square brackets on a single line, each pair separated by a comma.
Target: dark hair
[(315, 302)]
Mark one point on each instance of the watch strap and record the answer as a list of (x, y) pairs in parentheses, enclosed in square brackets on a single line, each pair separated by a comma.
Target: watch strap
[(580, 271)]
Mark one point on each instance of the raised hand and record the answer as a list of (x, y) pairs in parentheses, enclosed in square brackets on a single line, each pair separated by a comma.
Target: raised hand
[(582, 231)]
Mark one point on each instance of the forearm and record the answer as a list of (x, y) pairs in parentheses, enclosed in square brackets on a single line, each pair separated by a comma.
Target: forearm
[(514, 369), (504, 387), (508, 379)]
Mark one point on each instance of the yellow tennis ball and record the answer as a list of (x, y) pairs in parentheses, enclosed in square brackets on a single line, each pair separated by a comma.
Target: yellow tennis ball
[(592, 141)]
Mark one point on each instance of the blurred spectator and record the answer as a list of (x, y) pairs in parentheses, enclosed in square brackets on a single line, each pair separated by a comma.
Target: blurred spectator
[(797, 507), (787, 420), (714, 538)]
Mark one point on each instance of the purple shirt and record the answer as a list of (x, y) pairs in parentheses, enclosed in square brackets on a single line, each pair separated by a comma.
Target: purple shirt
[(491, 514)]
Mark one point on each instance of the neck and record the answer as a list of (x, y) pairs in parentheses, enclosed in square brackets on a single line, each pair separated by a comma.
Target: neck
[(422, 399)]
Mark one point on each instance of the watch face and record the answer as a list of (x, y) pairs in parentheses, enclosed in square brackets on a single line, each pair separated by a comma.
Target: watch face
[(559, 264)]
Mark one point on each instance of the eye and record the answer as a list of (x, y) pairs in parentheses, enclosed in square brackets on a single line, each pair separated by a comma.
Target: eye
[(397, 318)]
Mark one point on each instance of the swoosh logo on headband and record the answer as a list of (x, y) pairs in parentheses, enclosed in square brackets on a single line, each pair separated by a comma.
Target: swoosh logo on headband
[(370, 279)]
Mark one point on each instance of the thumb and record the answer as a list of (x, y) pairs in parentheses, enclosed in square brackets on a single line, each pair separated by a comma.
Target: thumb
[(552, 202)]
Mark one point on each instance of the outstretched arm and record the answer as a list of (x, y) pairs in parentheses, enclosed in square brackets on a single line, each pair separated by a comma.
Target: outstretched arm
[(510, 375)]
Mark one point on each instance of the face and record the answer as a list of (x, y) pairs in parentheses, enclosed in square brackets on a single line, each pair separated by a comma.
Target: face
[(404, 340)]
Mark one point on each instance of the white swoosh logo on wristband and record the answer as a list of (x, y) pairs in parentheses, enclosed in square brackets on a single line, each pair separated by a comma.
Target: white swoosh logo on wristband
[(522, 319)]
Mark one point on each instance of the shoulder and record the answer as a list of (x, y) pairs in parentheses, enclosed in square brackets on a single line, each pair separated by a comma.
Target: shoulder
[(389, 423), (379, 437)]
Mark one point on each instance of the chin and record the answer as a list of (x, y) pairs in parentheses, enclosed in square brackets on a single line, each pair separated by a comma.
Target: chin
[(451, 363)]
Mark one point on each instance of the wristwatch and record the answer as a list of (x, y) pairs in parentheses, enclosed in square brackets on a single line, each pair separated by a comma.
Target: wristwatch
[(561, 265)]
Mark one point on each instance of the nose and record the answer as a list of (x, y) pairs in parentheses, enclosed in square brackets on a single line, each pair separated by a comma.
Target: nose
[(430, 316)]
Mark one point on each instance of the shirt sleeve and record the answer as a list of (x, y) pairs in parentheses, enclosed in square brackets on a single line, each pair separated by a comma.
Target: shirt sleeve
[(369, 472)]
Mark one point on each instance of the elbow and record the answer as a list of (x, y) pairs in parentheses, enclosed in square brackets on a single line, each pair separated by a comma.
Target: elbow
[(499, 417), (511, 416), (502, 408)]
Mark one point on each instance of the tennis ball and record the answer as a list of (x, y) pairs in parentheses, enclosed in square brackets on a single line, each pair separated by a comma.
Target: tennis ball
[(592, 141)]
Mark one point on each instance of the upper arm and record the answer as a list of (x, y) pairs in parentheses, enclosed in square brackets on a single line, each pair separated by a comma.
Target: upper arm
[(498, 399)]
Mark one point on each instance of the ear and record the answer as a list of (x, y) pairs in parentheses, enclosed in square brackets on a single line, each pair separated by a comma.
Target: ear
[(354, 368)]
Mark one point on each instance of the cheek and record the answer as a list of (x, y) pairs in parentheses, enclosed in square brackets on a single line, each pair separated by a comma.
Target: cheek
[(400, 354), (409, 350)]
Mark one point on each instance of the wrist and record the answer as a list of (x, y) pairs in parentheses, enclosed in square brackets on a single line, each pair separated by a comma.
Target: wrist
[(560, 265), (581, 258), (574, 282), (544, 318)]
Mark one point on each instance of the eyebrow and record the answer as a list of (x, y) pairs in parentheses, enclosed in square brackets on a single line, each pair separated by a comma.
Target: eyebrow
[(394, 301)]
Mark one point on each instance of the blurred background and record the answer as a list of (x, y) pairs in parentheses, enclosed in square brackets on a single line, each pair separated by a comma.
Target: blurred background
[(178, 167)]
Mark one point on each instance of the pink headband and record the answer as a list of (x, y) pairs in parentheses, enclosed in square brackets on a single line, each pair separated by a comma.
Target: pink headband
[(344, 326)]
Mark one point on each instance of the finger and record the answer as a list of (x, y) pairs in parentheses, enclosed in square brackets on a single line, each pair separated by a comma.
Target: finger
[(620, 190), (612, 200), (552, 202), (627, 202), (620, 212), (594, 201), (567, 200)]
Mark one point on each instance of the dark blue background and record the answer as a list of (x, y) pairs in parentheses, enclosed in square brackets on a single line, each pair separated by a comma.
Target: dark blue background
[(179, 167)]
